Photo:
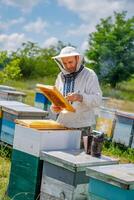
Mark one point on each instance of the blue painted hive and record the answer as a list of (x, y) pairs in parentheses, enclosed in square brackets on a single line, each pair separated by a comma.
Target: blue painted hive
[(114, 182), (42, 102), (7, 103), (12, 112)]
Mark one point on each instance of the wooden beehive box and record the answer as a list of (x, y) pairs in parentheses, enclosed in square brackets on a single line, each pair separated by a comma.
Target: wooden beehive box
[(124, 129), (26, 167), (111, 182), (4, 104), (64, 174), (12, 112), (12, 95), (42, 102)]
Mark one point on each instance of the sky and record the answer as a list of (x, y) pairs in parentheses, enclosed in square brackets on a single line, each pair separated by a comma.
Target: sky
[(45, 22)]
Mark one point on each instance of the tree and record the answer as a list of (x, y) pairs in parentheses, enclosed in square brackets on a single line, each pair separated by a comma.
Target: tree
[(111, 49), (11, 71), (4, 59), (36, 61)]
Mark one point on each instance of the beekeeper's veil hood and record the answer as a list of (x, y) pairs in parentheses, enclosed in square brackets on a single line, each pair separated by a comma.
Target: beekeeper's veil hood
[(66, 52)]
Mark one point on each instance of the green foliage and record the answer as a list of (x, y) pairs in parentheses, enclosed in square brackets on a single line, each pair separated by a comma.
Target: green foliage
[(111, 49), (29, 61), (11, 71), (36, 61), (3, 59)]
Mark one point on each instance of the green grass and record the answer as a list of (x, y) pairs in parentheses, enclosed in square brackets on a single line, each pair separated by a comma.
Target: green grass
[(124, 90), (124, 154), (5, 157)]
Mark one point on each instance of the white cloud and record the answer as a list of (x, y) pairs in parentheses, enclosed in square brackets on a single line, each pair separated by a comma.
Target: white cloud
[(17, 21), (84, 46), (83, 29), (92, 10), (12, 41), (52, 41), (36, 27), (24, 5), (5, 25)]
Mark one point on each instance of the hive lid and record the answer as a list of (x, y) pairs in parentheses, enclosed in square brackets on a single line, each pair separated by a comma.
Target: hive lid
[(52, 93), (125, 114), (40, 124), (24, 110), (75, 160), (121, 175), (11, 103), (12, 92), (6, 87)]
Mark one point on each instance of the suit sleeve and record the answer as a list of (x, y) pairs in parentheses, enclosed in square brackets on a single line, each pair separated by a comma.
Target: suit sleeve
[(92, 95)]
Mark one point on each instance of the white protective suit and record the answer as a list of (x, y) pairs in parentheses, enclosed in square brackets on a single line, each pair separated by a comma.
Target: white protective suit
[(86, 84)]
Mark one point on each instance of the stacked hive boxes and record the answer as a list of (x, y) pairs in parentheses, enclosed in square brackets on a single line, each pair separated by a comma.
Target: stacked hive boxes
[(64, 174), (26, 167)]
